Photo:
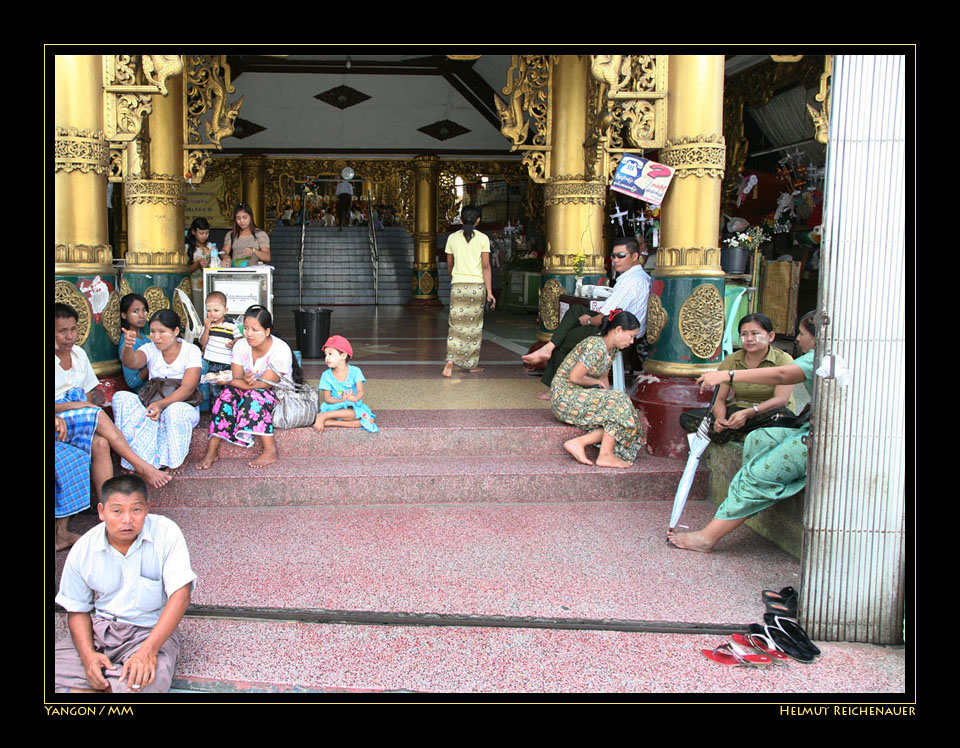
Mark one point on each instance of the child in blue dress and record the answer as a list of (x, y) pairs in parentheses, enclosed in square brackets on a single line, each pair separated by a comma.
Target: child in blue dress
[(341, 388)]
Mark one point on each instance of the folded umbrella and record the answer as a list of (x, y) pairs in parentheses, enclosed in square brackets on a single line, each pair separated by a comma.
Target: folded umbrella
[(698, 443)]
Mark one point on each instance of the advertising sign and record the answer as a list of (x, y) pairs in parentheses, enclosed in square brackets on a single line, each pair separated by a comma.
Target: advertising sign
[(642, 178)]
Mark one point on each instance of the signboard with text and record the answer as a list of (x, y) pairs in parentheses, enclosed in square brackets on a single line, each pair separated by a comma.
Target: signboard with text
[(642, 178)]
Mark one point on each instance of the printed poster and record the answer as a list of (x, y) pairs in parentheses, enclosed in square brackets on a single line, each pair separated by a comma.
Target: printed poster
[(642, 178)]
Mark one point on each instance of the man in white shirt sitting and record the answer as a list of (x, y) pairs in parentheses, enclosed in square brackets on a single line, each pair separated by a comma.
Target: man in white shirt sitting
[(126, 585), (631, 293)]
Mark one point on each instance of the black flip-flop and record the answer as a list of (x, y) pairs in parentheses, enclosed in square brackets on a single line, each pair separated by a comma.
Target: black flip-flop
[(778, 597), (792, 630)]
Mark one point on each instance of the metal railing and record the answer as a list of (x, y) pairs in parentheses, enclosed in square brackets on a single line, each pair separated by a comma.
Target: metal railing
[(374, 257)]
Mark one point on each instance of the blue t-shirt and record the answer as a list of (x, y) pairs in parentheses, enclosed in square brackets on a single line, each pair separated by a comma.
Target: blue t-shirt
[(340, 389)]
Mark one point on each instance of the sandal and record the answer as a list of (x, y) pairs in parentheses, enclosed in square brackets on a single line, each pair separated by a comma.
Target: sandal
[(778, 597), (733, 654), (791, 629), (787, 608), (761, 644)]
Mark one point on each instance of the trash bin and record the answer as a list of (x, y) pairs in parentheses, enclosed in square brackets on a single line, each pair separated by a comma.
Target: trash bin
[(313, 329)]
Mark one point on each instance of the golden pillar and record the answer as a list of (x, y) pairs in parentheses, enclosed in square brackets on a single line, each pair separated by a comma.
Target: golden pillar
[(573, 205), (423, 282), (155, 195), (252, 168), (83, 257), (685, 317)]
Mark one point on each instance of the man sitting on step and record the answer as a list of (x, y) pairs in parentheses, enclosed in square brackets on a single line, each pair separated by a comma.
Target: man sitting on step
[(126, 585), (631, 293)]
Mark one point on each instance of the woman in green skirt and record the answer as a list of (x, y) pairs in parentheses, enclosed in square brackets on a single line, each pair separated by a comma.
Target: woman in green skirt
[(774, 460)]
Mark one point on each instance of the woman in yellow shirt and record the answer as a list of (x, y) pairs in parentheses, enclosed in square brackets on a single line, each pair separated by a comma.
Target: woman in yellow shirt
[(468, 262)]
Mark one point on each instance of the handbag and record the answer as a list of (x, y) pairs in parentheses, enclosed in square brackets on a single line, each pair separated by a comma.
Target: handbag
[(160, 387), (297, 404), (779, 418)]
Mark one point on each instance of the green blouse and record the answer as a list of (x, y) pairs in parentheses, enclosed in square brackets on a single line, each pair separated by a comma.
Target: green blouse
[(746, 394)]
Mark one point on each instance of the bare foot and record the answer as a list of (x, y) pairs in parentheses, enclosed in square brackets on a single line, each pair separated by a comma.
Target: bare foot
[(533, 359), (477, 370), (212, 455), (66, 539), (318, 425), (612, 461), (267, 457), (447, 370), (690, 541), (576, 449), (544, 395), (154, 478)]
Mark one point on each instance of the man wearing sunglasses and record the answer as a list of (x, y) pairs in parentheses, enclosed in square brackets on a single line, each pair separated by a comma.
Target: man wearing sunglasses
[(631, 292)]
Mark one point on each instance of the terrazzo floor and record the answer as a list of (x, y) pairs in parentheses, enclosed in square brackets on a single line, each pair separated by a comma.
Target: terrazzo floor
[(589, 561)]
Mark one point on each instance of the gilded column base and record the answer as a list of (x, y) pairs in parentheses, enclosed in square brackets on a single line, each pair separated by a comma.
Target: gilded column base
[(424, 285), (552, 285)]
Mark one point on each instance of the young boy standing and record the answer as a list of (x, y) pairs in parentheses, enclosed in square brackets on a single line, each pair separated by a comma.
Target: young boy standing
[(219, 335), (126, 585)]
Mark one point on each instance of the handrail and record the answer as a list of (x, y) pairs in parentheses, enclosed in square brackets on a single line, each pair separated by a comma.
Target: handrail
[(374, 257)]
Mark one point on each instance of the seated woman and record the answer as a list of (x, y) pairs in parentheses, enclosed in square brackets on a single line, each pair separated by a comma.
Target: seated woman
[(581, 396), (774, 459), (245, 406), (134, 311), (159, 430), (753, 405)]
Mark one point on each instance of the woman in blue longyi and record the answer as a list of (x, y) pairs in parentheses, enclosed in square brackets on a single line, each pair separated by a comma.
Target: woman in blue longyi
[(341, 388), (774, 459)]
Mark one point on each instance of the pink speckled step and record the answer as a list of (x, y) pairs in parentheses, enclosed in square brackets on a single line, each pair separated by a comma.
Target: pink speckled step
[(337, 480), (419, 433)]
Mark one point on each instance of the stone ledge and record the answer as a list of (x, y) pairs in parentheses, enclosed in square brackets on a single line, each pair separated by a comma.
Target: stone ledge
[(781, 524)]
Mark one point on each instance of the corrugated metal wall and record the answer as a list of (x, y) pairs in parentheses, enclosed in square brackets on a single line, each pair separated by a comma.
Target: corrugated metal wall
[(853, 555)]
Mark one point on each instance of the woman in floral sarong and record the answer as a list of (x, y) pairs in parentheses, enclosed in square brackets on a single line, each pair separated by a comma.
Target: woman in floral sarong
[(581, 396), (244, 409)]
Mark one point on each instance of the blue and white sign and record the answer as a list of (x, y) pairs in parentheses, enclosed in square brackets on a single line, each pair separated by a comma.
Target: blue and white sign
[(642, 178)]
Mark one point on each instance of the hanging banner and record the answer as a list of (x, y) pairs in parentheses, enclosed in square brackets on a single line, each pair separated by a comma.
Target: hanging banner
[(203, 201), (642, 178)]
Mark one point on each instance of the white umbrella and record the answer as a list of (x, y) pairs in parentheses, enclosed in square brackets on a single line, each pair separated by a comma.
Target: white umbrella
[(698, 443)]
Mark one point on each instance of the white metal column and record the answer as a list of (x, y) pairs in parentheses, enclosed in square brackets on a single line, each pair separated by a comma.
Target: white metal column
[(853, 545)]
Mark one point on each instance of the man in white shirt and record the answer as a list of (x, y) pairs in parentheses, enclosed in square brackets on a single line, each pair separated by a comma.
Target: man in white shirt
[(125, 586), (631, 293)]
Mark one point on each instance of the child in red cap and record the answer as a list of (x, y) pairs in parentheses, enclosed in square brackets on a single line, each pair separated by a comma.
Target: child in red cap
[(341, 390)]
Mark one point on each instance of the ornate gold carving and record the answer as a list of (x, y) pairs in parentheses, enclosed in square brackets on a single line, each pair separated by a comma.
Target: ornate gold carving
[(627, 108), (471, 172), (169, 189), (156, 299), (157, 68), (567, 190), (65, 292), (207, 83), (688, 261), (821, 119), (125, 288), (81, 150), (550, 303), (701, 320), (700, 155), (656, 318), (559, 263), (426, 283), (525, 118), (110, 319), (83, 254), (187, 288), (671, 369)]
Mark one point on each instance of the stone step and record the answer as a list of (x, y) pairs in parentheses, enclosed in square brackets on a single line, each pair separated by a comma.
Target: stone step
[(409, 433), (335, 481)]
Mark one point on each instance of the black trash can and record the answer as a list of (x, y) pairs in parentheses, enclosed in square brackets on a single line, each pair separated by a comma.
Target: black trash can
[(313, 329)]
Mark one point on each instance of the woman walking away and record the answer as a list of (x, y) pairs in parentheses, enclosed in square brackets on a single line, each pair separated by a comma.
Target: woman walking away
[(468, 263)]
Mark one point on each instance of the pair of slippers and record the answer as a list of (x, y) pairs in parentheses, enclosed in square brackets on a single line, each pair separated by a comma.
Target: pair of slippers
[(782, 603), (746, 650), (787, 636)]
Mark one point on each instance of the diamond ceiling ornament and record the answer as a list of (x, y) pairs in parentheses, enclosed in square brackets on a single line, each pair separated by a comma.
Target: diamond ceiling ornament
[(244, 128), (342, 97), (444, 130)]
